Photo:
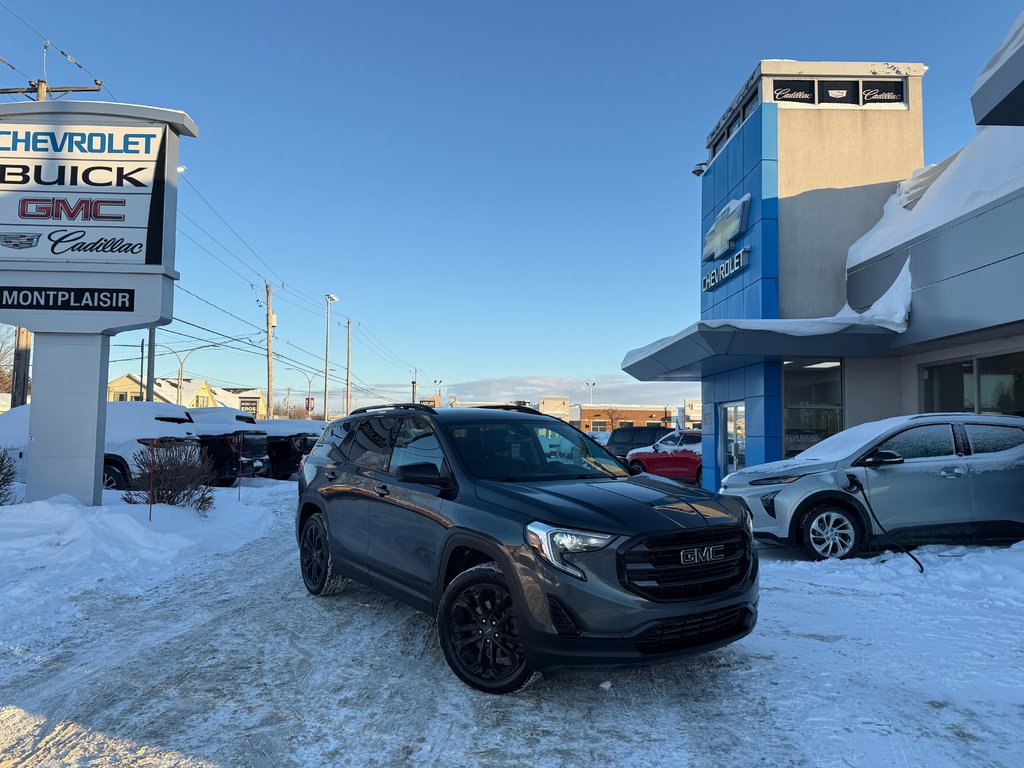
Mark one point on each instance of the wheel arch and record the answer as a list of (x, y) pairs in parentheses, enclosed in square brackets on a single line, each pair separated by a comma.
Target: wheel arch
[(844, 500), (306, 510), (464, 550)]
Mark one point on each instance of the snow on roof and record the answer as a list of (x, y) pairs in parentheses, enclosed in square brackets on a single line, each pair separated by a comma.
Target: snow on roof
[(1013, 42), (226, 397), (288, 427), (990, 167)]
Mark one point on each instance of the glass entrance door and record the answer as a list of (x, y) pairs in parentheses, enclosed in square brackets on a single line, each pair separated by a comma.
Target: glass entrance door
[(734, 419)]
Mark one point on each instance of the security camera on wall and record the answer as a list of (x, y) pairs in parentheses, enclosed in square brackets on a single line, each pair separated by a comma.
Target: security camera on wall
[(699, 168)]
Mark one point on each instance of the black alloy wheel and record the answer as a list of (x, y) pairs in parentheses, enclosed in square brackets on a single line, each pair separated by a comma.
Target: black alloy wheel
[(478, 627), (315, 557)]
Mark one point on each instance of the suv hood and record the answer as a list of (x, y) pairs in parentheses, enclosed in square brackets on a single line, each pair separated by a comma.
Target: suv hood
[(628, 506), (794, 466)]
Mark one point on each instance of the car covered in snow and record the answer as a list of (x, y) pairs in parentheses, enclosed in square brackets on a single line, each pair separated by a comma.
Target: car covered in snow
[(236, 446), (920, 479), (677, 454), (129, 427), (288, 440)]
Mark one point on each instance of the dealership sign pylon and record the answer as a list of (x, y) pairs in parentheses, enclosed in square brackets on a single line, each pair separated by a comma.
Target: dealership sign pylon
[(88, 199)]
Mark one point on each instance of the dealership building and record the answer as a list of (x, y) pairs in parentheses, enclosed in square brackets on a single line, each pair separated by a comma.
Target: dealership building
[(841, 281)]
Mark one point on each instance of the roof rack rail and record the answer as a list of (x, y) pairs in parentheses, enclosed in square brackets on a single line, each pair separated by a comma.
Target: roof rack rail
[(401, 406), (520, 408)]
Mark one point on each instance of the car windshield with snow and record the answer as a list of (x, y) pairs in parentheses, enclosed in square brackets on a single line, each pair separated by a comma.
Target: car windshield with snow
[(921, 479), (532, 545)]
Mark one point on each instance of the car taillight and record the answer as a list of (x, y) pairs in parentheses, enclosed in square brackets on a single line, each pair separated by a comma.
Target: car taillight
[(297, 443), (235, 442)]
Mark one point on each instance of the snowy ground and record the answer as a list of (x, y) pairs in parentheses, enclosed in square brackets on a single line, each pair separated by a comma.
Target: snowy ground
[(194, 643)]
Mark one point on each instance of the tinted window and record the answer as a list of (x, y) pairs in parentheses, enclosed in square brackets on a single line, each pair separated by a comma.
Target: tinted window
[(989, 438), (692, 439), (328, 447), (924, 442), (645, 435), (416, 443), (620, 436), (371, 442)]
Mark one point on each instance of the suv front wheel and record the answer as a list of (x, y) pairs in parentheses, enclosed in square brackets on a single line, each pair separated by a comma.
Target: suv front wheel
[(478, 628)]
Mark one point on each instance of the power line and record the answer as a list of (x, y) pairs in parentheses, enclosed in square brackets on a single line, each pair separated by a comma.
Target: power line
[(211, 253), (63, 53)]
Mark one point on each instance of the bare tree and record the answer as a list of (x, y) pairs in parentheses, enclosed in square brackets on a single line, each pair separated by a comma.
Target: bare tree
[(7, 339)]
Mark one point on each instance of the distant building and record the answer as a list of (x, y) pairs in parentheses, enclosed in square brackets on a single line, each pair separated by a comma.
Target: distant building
[(604, 417), (250, 400), (195, 393), (555, 406)]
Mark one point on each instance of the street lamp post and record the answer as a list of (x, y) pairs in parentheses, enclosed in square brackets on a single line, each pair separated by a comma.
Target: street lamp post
[(591, 385), (309, 383), (181, 362), (330, 298), (437, 386)]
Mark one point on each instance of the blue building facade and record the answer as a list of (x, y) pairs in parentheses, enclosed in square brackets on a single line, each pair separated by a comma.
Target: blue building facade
[(742, 406)]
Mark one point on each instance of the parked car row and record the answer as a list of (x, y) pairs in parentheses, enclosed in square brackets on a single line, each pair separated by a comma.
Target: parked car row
[(237, 444)]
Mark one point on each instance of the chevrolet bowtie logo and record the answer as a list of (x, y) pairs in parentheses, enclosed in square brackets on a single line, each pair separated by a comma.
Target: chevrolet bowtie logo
[(727, 227)]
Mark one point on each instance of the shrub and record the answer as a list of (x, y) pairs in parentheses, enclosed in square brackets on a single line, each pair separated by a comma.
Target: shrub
[(7, 474), (182, 476)]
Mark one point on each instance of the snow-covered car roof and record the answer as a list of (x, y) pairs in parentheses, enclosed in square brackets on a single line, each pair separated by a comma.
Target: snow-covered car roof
[(221, 414), (126, 422), (289, 427)]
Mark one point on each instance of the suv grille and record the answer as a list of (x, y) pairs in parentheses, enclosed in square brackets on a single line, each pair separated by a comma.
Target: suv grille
[(654, 567), (693, 630)]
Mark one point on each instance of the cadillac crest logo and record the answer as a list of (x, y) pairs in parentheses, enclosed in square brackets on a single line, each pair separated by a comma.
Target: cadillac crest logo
[(19, 241)]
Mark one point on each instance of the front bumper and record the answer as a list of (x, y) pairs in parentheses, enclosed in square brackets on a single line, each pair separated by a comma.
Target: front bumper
[(770, 513), (574, 623)]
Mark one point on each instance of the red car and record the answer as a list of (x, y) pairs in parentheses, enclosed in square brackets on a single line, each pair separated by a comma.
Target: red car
[(677, 455)]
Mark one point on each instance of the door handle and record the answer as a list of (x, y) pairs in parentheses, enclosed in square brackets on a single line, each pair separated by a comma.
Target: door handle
[(951, 474), (382, 490), (330, 474)]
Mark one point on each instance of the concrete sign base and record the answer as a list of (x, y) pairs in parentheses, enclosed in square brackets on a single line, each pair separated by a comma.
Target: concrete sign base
[(67, 422)]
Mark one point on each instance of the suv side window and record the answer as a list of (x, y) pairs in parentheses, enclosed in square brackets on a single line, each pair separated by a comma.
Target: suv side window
[(990, 438), (371, 442), (416, 443), (692, 439), (329, 446), (669, 440), (928, 441), (644, 435)]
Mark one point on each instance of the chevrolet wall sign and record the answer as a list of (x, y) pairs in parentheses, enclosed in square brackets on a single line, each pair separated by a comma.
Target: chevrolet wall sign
[(727, 227)]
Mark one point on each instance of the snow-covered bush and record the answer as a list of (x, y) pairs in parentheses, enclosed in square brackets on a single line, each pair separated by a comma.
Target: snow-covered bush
[(8, 473), (182, 476)]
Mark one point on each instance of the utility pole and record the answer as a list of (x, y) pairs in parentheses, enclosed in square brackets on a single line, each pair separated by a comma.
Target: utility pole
[(142, 363), (271, 322), (330, 298), (348, 371), (415, 375), (23, 337), (150, 364)]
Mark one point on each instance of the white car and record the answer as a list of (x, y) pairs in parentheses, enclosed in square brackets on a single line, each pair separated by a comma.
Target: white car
[(130, 426)]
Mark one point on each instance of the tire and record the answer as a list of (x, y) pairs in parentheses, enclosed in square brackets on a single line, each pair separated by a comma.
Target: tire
[(699, 477), (637, 467), (114, 478), (315, 561), (478, 629), (830, 531)]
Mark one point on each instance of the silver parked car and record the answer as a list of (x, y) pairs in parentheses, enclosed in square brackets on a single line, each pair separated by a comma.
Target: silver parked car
[(926, 478)]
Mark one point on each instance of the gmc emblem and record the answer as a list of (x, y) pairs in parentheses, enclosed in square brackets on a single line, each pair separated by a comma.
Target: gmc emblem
[(702, 554)]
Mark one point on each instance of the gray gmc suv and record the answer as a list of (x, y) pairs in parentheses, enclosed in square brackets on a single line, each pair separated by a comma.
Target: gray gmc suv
[(532, 545)]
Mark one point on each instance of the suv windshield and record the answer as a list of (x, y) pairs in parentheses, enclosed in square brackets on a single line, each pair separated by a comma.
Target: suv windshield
[(530, 450)]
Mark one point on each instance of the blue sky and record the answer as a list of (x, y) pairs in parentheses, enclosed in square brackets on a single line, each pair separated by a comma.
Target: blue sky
[(500, 193)]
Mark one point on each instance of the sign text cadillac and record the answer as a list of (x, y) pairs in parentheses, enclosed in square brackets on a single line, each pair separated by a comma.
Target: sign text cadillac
[(82, 194)]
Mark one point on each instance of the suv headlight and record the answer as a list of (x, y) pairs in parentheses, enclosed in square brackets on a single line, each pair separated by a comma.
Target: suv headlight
[(554, 543)]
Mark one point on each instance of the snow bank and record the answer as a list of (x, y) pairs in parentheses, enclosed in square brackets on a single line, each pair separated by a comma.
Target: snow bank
[(988, 168), (51, 551)]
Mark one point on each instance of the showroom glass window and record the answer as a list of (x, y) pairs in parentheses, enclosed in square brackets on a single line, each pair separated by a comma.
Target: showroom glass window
[(812, 399), (992, 384)]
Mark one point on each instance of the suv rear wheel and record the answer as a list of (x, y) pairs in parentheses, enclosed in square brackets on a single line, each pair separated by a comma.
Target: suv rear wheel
[(478, 628), (315, 558)]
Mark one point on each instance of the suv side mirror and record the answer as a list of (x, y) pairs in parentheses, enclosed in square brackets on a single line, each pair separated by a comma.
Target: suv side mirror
[(423, 474), (881, 458), (655, 448)]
